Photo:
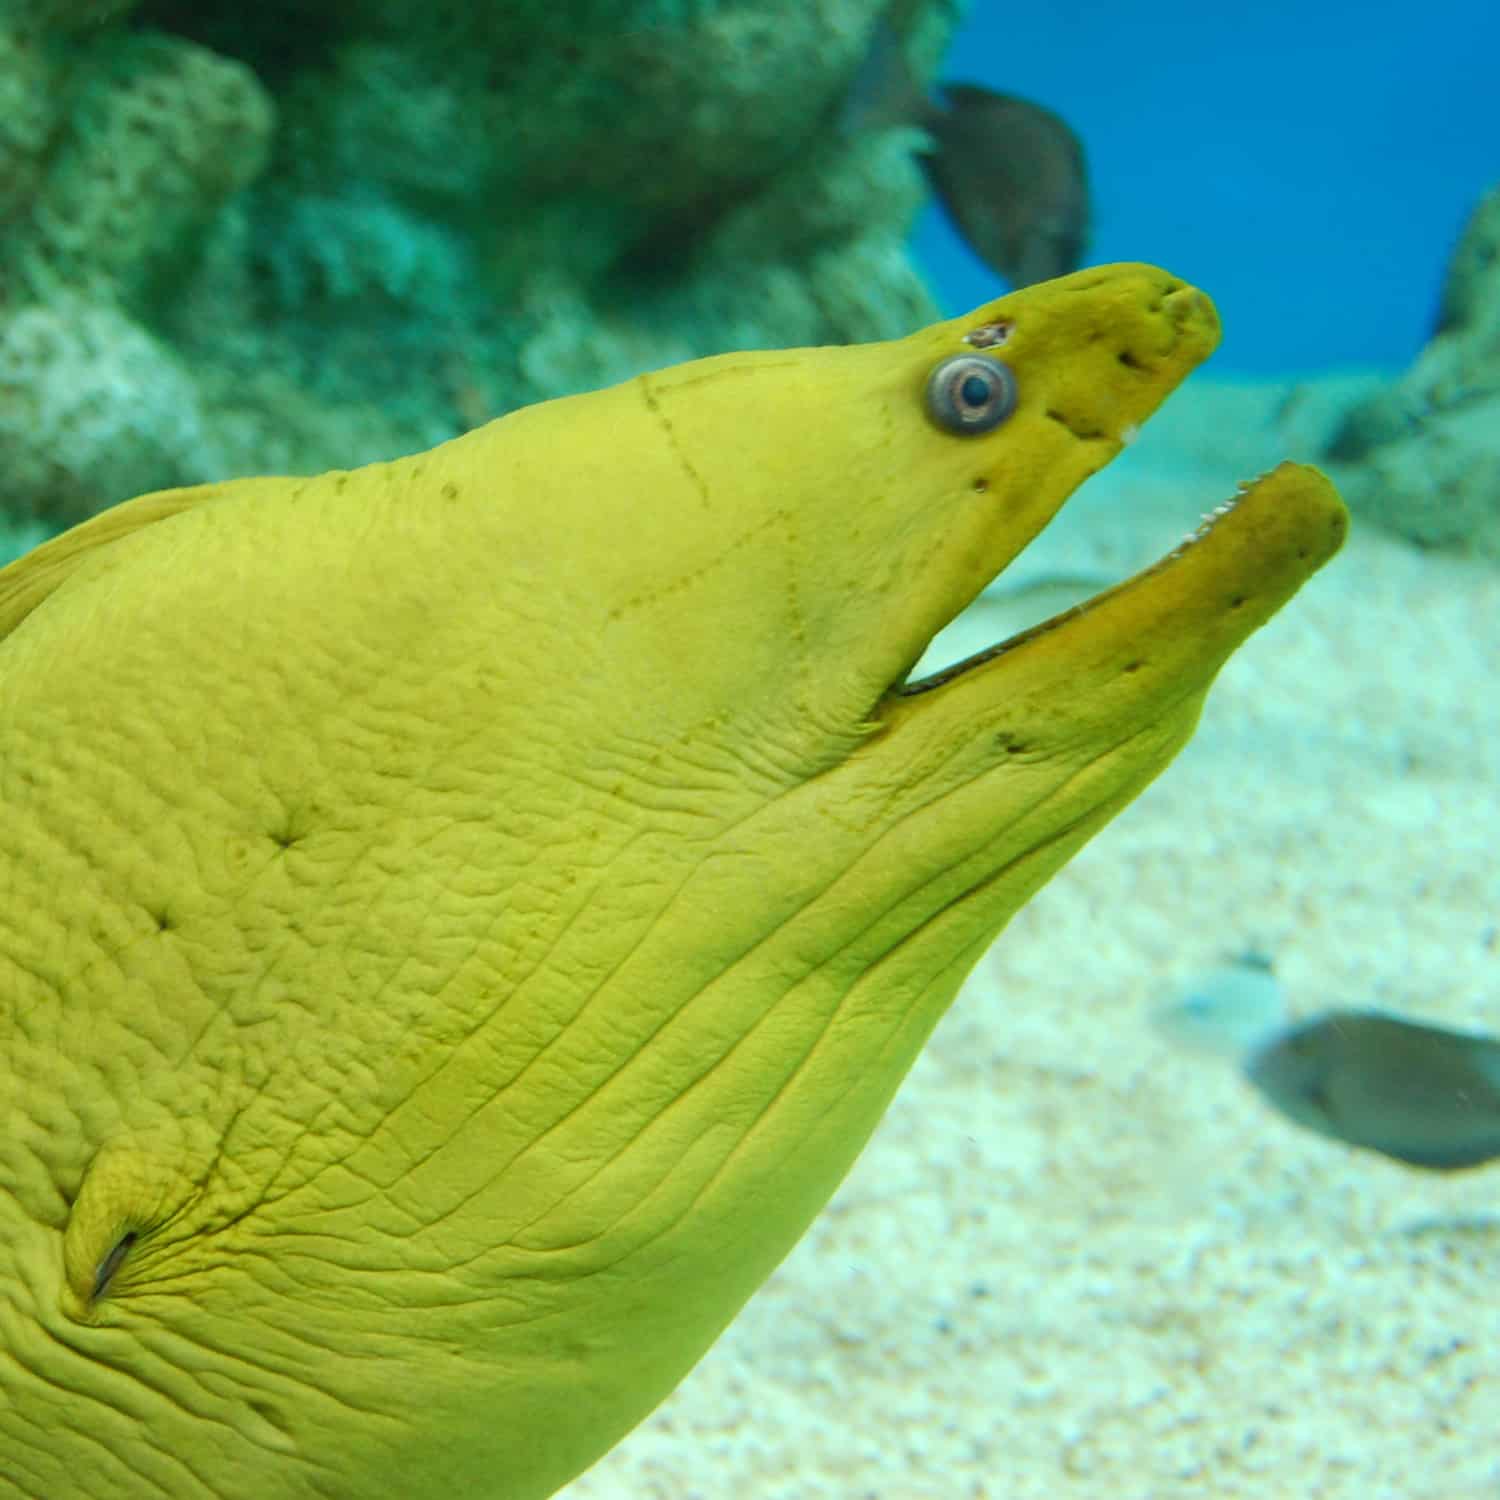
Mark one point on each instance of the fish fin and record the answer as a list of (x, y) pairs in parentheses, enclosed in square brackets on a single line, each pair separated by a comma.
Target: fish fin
[(1012, 176), (29, 580)]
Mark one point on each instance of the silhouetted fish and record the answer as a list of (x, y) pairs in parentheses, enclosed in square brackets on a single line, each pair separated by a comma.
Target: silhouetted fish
[(1012, 177), (1424, 1095), (1010, 173)]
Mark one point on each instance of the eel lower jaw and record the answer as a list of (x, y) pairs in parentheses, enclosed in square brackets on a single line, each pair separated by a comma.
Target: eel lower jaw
[(1259, 545)]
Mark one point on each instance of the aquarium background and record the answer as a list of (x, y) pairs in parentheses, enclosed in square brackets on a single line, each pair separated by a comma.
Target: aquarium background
[(1312, 163), (1079, 1259)]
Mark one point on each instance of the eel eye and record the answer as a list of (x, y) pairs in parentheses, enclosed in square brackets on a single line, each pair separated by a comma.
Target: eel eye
[(970, 394)]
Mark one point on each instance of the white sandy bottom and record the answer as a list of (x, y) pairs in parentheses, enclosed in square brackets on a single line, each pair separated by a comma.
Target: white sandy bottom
[(1076, 1262)]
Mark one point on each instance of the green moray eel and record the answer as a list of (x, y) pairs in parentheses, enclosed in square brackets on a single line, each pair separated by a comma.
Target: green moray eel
[(464, 916)]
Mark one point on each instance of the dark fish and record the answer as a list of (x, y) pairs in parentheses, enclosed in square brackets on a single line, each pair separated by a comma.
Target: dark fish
[(1424, 1095), (1010, 174), (1012, 177)]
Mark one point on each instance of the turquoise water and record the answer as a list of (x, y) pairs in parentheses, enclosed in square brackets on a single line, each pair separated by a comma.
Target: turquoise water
[(1309, 164)]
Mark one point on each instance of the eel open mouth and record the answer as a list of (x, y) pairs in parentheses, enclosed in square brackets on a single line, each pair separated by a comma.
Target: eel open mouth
[(1222, 581)]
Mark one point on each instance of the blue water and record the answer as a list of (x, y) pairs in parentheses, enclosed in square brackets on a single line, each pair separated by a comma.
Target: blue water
[(1309, 165)]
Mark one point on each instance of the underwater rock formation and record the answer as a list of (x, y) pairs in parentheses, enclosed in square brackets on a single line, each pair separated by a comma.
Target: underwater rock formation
[(118, 150), (1422, 457), (286, 238)]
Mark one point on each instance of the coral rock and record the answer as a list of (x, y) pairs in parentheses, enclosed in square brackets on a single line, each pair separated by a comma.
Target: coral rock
[(1422, 457), (322, 237)]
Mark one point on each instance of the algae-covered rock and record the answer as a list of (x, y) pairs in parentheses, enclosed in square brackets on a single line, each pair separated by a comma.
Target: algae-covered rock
[(1422, 456), (297, 236), (94, 405)]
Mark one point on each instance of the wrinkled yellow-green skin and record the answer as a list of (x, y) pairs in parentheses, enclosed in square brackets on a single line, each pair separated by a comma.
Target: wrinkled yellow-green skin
[(463, 917)]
